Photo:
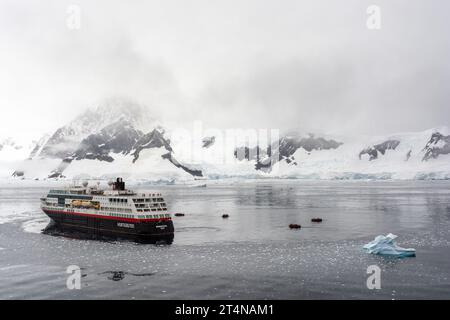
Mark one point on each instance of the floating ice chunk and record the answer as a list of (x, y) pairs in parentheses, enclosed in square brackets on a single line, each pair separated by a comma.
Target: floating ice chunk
[(386, 246)]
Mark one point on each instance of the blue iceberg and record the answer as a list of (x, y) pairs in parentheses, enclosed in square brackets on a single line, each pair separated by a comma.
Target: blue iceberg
[(386, 246)]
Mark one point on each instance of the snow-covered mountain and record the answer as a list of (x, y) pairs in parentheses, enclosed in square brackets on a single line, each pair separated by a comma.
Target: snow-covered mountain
[(120, 138), (287, 145), (399, 156), (67, 138)]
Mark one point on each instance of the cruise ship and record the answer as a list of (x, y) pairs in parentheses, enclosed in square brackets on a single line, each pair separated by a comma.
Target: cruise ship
[(117, 211)]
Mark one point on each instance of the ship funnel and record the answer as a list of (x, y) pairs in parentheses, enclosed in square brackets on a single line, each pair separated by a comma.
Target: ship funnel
[(119, 185)]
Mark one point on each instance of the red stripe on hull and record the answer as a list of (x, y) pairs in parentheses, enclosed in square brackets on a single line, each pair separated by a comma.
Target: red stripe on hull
[(106, 217)]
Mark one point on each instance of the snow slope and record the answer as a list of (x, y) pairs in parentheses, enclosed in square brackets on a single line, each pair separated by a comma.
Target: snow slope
[(405, 162)]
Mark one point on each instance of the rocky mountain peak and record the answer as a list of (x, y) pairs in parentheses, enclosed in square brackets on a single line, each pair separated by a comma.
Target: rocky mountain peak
[(64, 142), (374, 150), (153, 139), (118, 137), (437, 145)]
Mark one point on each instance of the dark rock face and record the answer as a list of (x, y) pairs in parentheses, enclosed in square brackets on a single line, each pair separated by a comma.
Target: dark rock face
[(194, 172), (433, 150), (379, 148), (208, 141), (256, 153), (288, 145), (57, 173), (18, 173), (153, 139), (118, 137), (408, 155)]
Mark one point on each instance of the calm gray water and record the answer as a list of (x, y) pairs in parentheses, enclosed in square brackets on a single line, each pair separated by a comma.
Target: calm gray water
[(251, 255)]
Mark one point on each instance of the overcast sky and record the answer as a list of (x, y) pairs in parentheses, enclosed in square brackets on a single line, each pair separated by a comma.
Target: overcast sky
[(312, 65)]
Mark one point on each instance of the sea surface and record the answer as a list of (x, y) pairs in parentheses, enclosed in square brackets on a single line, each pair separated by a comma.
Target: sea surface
[(251, 255)]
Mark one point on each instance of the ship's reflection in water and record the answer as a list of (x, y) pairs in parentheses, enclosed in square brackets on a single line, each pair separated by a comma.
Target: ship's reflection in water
[(56, 230), (120, 275)]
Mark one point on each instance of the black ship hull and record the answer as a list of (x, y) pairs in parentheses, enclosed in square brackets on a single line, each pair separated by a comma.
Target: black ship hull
[(145, 231)]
